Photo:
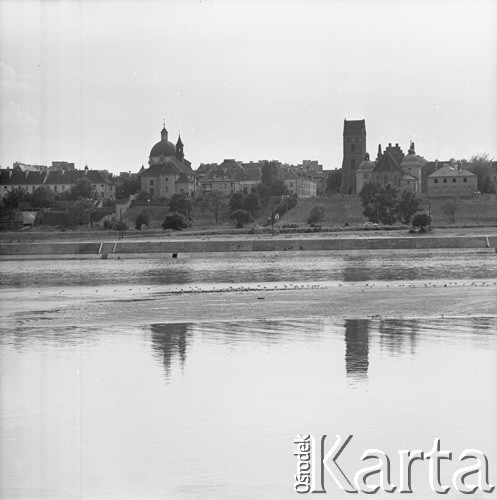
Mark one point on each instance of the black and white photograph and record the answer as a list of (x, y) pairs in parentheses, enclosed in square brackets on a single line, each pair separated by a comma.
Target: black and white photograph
[(248, 249)]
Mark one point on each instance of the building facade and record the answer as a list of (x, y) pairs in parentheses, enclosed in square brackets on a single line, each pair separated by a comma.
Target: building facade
[(169, 172), (59, 181), (452, 181), (354, 149)]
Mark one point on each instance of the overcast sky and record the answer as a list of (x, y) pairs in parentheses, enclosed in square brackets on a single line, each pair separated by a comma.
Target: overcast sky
[(91, 82)]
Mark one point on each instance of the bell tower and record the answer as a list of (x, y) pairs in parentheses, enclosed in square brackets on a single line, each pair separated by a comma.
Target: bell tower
[(354, 149)]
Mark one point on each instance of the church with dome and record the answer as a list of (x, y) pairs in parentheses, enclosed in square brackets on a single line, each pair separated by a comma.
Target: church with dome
[(392, 167), (168, 172)]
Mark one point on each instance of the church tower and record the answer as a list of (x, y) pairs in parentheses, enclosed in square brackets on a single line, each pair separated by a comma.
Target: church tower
[(354, 149), (179, 149)]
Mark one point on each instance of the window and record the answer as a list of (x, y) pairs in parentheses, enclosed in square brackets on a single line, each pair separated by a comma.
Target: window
[(352, 163), (465, 179), (435, 181), (151, 182), (55, 188), (352, 147), (454, 179), (445, 180)]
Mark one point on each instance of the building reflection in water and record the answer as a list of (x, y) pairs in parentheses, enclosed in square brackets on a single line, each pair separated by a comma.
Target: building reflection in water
[(399, 336), (357, 348), (170, 342)]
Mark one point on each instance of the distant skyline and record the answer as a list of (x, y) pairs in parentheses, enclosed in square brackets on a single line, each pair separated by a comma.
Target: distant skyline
[(91, 82)]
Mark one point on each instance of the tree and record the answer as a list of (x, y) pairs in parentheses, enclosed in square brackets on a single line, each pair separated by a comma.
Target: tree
[(269, 172), (236, 201), (421, 220), (175, 221), (263, 191), (379, 202), (142, 219), (334, 181), (480, 166), (408, 205), (487, 185), (83, 189), (450, 208), (316, 215), (43, 197), (127, 186), (252, 203), (14, 197), (240, 217), (181, 203), (214, 202), (278, 188), (81, 212), (142, 196)]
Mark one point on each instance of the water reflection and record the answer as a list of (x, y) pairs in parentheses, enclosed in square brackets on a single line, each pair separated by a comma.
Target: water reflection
[(398, 336), (357, 348), (170, 341)]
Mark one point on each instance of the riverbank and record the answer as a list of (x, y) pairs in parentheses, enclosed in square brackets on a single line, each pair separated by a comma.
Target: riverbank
[(174, 247)]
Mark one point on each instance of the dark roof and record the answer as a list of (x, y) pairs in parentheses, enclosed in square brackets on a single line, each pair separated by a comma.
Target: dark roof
[(16, 177), (36, 178), (386, 162), (163, 148), (354, 127), (227, 170), (72, 176), (10, 177), (450, 171)]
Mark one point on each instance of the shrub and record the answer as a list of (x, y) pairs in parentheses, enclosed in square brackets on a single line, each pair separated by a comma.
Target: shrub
[(240, 217), (114, 223), (252, 203), (108, 223), (142, 219), (175, 221), (181, 203), (421, 220), (236, 201), (316, 215), (142, 196)]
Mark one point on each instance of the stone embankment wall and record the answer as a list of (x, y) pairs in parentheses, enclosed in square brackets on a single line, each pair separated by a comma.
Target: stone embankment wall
[(137, 249)]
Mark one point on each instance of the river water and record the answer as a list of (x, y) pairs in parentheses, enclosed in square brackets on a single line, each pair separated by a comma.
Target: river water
[(101, 397)]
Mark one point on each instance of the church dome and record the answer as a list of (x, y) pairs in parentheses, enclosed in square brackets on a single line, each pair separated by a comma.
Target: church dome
[(412, 159), (163, 147), (366, 165)]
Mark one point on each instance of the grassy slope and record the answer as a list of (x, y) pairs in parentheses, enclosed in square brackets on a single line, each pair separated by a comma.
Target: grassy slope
[(480, 209), (338, 210)]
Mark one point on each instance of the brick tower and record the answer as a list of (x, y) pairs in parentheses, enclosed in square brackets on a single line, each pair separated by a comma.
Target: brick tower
[(354, 149)]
